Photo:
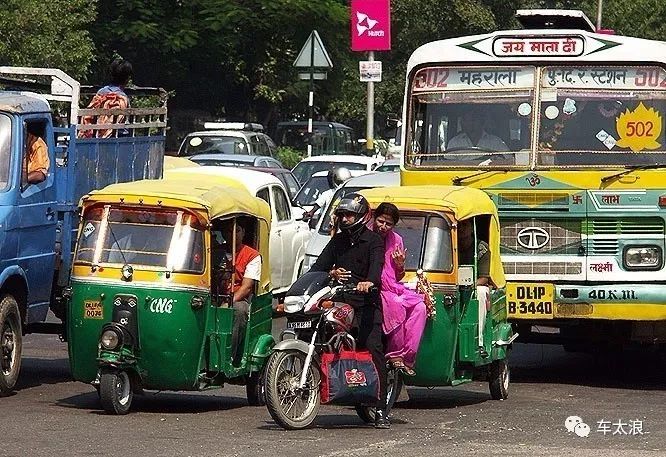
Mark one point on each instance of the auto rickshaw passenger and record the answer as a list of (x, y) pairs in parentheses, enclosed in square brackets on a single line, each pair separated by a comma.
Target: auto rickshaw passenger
[(483, 282), (404, 310), (247, 273)]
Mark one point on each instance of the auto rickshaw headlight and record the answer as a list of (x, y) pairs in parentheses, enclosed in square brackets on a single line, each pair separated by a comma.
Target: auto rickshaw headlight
[(643, 258), (110, 339)]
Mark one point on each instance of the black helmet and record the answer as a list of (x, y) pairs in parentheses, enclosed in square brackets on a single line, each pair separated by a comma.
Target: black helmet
[(353, 203), (337, 176)]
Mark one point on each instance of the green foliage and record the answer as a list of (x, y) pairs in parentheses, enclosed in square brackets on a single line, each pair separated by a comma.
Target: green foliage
[(288, 156), (47, 34)]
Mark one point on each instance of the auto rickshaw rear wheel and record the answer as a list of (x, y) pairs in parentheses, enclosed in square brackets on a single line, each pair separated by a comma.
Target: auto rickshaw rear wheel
[(116, 393), (498, 379), (11, 344), (256, 389), (394, 386)]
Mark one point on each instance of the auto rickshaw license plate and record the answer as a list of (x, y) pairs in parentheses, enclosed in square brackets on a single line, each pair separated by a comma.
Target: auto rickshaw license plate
[(93, 310), (530, 300)]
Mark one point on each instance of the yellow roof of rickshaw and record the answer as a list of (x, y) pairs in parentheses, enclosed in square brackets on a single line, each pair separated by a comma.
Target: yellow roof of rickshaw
[(463, 202), (218, 197)]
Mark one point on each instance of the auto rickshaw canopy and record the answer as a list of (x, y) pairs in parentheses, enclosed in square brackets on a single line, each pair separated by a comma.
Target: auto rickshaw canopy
[(209, 196), (459, 202)]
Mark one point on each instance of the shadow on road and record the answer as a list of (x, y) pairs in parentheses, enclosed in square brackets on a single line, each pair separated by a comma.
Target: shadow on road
[(629, 368), (38, 371), (161, 403)]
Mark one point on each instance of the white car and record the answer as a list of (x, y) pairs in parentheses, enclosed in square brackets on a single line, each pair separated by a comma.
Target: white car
[(289, 234), (310, 165), (315, 186), (321, 232)]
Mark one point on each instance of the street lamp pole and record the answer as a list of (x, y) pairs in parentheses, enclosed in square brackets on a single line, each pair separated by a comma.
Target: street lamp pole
[(600, 7)]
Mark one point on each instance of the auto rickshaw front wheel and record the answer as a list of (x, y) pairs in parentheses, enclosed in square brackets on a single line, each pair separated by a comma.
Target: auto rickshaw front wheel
[(115, 391), (11, 344), (498, 379)]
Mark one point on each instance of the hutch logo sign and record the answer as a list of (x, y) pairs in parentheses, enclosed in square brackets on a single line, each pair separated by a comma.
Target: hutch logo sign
[(371, 25)]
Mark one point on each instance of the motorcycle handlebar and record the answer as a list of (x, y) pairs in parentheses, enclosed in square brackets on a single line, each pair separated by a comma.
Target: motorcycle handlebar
[(350, 288)]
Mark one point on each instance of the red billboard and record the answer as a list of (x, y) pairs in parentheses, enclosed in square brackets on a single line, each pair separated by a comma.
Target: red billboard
[(371, 25)]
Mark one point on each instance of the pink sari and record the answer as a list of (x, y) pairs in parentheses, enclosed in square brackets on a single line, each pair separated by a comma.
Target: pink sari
[(404, 310)]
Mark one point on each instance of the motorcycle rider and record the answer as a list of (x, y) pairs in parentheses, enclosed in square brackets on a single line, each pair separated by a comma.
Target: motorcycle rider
[(356, 254), (336, 177)]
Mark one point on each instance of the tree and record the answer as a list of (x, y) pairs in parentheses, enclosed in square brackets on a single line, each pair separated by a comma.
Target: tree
[(54, 35)]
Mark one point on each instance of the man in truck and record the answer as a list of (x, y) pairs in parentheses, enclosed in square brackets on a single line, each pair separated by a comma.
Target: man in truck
[(37, 156)]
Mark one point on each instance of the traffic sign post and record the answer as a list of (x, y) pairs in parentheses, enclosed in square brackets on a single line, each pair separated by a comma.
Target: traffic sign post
[(314, 57)]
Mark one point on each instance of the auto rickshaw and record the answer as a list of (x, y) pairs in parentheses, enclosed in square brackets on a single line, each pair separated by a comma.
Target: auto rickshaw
[(150, 305), (431, 217)]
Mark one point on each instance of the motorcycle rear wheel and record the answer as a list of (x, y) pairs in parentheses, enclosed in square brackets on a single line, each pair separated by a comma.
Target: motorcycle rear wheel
[(394, 386), (292, 408)]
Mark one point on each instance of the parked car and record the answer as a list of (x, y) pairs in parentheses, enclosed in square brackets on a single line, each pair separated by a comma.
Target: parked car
[(315, 186), (236, 160), (289, 234), (389, 165), (322, 225), (327, 137), (309, 166), (228, 138)]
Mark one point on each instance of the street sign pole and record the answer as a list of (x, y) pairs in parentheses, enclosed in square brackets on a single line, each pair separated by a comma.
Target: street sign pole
[(370, 125), (311, 98)]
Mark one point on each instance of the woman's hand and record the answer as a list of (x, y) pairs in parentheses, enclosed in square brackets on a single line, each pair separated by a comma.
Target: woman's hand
[(340, 274), (399, 256), (364, 286)]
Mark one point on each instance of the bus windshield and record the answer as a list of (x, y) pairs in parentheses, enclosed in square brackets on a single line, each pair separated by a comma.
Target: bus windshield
[(485, 117)]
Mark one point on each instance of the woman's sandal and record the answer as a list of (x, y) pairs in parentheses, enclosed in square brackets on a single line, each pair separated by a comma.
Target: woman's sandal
[(400, 365)]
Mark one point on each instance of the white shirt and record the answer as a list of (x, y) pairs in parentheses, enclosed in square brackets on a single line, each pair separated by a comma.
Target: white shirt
[(487, 141), (324, 198), (253, 269)]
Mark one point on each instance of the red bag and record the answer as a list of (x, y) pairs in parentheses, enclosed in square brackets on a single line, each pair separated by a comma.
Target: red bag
[(349, 378)]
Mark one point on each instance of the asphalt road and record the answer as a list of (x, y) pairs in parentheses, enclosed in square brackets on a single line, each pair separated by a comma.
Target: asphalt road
[(51, 415)]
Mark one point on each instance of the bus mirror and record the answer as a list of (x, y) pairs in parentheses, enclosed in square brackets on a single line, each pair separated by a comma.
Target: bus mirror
[(466, 276)]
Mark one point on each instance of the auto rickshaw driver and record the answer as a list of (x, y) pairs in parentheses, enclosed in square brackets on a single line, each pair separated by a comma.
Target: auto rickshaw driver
[(245, 263)]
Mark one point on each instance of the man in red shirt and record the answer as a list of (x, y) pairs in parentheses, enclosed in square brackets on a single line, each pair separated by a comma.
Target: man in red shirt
[(247, 273)]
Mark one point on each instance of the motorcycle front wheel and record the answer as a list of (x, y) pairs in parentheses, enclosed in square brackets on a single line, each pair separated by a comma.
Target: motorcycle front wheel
[(292, 407)]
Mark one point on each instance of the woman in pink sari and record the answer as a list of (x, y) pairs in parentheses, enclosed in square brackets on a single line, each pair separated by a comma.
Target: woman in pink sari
[(404, 310)]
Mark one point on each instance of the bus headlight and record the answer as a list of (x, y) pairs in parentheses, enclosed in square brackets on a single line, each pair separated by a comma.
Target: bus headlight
[(110, 339), (642, 258)]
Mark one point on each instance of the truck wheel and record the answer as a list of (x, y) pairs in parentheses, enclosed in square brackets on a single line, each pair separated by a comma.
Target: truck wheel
[(292, 408), (11, 344), (394, 385), (256, 389), (115, 391), (499, 380)]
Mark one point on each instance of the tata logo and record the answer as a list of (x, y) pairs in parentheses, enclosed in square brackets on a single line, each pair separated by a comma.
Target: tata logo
[(161, 305), (364, 24), (533, 238)]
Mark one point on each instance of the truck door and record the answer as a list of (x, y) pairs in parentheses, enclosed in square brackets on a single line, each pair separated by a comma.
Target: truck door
[(37, 214)]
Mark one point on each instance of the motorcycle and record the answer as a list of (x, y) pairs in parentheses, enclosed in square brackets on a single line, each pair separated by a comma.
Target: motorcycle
[(317, 322)]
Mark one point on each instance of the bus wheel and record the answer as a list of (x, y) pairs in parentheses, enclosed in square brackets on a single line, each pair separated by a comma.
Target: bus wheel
[(499, 380), (11, 344), (115, 391)]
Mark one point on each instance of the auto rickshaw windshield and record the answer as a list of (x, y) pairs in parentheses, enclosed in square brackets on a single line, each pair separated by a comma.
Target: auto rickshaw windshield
[(427, 239), (155, 238)]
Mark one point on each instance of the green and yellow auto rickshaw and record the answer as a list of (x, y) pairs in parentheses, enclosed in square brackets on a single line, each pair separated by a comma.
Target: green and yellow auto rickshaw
[(150, 305), (445, 268)]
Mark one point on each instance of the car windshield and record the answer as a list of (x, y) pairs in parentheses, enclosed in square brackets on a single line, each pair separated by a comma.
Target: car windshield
[(5, 149), (312, 190), (142, 237), (221, 162), (296, 137), (390, 167), (303, 170), (602, 116), (290, 184), (207, 144)]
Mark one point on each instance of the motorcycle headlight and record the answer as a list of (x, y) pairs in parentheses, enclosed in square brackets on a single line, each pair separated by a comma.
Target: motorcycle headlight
[(110, 339), (642, 258), (294, 304)]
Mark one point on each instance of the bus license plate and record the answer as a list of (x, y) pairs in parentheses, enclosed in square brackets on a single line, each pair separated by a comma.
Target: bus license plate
[(299, 324), (530, 301)]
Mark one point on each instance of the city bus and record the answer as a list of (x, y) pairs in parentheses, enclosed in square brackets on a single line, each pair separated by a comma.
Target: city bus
[(564, 128)]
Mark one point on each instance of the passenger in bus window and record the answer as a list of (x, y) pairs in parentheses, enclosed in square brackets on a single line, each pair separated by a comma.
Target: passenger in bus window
[(473, 133)]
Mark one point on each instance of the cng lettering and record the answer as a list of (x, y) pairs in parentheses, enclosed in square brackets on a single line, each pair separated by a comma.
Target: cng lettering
[(162, 305)]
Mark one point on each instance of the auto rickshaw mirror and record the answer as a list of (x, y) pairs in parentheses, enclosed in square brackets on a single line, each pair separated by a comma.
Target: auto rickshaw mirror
[(466, 276)]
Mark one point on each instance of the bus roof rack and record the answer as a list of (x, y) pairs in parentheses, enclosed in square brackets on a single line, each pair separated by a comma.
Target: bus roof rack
[(555, 19)]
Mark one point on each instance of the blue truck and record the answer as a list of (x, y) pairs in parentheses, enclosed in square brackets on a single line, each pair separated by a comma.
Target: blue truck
[(39, 220)]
